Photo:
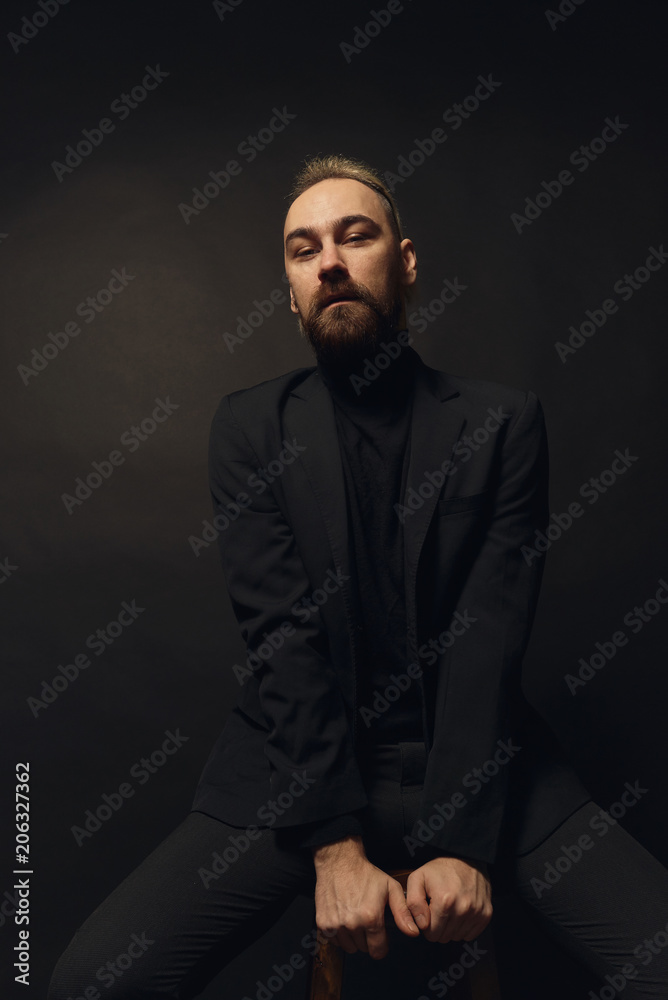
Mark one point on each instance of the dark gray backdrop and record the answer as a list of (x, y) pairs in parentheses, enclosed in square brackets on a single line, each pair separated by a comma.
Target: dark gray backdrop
[(224, 70)]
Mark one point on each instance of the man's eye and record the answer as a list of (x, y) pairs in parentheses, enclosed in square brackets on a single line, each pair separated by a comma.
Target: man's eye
[(305, 252), (355, 237)]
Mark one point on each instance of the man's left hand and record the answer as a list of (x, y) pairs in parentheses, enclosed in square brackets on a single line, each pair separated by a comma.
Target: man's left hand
[(450, 899)]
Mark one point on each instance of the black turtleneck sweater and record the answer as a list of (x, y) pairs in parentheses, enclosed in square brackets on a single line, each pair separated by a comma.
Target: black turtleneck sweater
[(373, 423)]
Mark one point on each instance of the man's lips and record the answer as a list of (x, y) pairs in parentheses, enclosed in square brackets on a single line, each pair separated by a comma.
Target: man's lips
[(339, 300)]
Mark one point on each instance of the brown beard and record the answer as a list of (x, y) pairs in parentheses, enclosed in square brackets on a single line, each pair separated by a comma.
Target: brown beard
[(344, 335)]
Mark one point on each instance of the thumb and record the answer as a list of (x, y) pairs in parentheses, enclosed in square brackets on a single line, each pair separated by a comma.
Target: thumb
[(402, 915), (416, 900)]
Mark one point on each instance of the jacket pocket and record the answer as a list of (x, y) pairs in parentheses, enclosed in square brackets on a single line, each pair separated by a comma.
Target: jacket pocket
[(457, 505)]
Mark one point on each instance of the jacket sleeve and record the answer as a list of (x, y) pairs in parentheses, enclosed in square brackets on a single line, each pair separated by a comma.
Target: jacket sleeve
[(324, 832), (293, 691), (480, 687)]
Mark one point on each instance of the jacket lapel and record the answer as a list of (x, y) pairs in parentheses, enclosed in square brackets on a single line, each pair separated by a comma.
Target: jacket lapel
[(435, 430), (312, 422)]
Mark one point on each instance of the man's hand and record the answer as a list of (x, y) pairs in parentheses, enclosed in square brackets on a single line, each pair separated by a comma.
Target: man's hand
[(351, 895), (450, 899)]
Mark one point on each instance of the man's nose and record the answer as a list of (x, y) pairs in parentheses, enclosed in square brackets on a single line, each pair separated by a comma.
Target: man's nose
[(331, 261)]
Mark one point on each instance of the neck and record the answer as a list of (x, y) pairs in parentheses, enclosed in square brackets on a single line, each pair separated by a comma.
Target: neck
[(385, 375)]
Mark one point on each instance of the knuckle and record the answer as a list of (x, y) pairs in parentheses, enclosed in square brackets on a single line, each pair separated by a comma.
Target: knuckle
[(368, 918)]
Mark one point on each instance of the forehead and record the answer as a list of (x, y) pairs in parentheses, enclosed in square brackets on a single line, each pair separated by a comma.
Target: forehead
[(320, 205)]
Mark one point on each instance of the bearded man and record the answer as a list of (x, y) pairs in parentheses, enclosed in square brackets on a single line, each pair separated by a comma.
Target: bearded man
[(375, 516)]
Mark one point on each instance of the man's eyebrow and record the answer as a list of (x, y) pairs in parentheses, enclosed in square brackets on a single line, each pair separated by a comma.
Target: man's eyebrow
[(310, 232)]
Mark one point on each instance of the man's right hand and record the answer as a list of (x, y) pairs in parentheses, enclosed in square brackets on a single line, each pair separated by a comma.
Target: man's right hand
[(351, 895)]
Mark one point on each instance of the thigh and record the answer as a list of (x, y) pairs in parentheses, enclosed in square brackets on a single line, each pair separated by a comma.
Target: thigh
[(200, 898), (605, 899)]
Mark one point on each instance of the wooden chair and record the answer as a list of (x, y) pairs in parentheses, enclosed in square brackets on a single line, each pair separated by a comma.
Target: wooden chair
[(326, 979)]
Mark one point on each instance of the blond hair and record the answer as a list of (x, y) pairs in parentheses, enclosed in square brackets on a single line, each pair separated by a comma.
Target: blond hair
[(323, 168)]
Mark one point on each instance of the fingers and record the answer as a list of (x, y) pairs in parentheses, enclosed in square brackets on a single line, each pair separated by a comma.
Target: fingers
[(416, 901), (401, 912), (376, 938), (350, 940), (458, 919), (478, 919), (369, 936), (372, 940), (444, 909)]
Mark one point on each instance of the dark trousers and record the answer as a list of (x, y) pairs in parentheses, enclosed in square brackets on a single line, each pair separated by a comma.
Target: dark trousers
[(209, 890)]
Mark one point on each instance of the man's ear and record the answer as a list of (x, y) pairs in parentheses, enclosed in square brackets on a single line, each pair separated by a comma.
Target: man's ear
[(293, 304), (409, 259)]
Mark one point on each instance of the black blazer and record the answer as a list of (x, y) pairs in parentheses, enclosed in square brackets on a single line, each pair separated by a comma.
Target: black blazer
[(476, 493)]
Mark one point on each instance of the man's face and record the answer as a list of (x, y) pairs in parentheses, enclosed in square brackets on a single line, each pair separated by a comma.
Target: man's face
[(346, 268)]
